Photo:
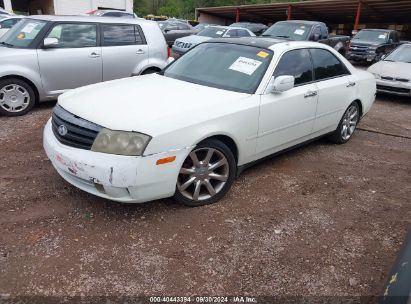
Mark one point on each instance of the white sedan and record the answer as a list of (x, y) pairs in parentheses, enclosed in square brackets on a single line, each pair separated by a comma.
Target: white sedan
[(189, 130)]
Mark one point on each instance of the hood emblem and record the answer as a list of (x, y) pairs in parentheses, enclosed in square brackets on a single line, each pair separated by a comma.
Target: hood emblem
[(62, 130)]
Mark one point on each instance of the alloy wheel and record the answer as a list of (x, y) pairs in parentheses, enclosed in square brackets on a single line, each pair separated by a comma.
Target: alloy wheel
[(349, 122), (204, 174)]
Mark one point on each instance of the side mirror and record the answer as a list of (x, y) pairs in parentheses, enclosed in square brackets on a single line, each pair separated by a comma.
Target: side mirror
[(50, 43), (170, 60), (316, 37), (281, 84)]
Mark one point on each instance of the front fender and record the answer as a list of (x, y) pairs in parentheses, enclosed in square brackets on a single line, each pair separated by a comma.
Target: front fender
[(10, 70)]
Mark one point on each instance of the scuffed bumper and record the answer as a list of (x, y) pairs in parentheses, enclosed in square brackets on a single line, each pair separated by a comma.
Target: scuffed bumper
[(127, 179)]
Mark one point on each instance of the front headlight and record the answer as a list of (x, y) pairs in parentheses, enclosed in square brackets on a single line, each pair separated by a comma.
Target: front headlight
[(377, 76), (120, 142)]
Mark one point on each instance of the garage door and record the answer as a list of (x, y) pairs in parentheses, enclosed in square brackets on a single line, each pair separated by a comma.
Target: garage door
[(73, 7)]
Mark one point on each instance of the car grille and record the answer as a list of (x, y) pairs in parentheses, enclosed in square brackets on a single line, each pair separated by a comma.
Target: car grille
[(392, 89), (72, 130), (358, 50), (395, 79), (183, 45)]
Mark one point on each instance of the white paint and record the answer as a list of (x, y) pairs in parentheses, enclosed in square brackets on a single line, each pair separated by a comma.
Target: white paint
[(182, 114)]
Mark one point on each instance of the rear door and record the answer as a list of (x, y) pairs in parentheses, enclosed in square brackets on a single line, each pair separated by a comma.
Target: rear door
[(124, 48), (336, 89), (74, 62)]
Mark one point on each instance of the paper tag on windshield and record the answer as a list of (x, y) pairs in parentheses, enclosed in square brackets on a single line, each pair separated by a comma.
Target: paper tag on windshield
[(245, 65), (219, 32), (382, 36), (299, 32), (29, 28)]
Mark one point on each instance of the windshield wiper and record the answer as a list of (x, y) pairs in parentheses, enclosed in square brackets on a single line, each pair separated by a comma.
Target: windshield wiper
[(6, 44), (266, 35)]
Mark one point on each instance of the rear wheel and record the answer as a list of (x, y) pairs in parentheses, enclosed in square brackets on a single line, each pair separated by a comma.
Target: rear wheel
[(16, 97), (348, 124), (206, 174)]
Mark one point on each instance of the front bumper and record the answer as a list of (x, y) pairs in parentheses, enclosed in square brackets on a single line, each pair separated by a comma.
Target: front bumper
[(126, 179), (361, 57), (394, 87)]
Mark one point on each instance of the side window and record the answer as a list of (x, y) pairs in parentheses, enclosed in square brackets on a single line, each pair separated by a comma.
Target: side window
[(231, 33), (316, 31), (243, 33), (113, 14), (326, 65), (140, 39), (296, 63), (182, 26), (7, 24), (116, 35), (74, 35), (324, 32)]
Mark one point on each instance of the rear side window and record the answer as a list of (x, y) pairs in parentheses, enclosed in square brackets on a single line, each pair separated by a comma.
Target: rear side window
[(243, 33), (326, 65), (75, 35), (296, 63), (7, 24), (117, 35)]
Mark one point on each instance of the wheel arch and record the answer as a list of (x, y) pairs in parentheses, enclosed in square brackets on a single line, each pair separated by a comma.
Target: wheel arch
[(361, 106), (228, 141), (150, 68), (29, 82)]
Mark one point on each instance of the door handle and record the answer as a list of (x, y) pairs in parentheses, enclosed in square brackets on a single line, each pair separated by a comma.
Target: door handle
[(139, 52), (310, 94), (94, 55), (351, 84)]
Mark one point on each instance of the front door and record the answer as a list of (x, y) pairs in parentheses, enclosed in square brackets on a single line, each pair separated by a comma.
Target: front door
[(287, 118), (74, 61)]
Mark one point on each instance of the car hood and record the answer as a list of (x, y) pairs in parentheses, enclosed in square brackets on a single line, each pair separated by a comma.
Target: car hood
[(358, 42), (193, 39), (392, 69), (150, 104)]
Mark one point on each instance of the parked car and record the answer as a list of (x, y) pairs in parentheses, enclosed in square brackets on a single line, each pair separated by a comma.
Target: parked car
[(371, 44), (173, 30), (42, 57), (393, 74), (201, 26), (256, 28), (184, 44), (112, 13), (301, 30), (224, 105), (7, 23)]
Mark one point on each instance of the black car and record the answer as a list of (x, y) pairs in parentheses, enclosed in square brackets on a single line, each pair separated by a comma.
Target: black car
[(256, 28), (174, 29), (372, 44)]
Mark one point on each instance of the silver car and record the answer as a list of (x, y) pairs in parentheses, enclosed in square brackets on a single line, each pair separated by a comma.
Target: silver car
[(7, 23), (45, 56)]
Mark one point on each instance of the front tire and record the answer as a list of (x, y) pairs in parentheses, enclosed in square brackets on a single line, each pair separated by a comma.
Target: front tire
[(16, 97), (206, 174), (347, 125)]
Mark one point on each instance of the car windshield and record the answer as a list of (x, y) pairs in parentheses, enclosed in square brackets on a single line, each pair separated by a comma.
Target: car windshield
[(374, 36), (401, 54), (232, 67), (213, 32), (23, 33), (289, 30)]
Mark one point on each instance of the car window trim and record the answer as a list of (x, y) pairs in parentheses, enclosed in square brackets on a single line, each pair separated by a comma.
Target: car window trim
[(54, 24)]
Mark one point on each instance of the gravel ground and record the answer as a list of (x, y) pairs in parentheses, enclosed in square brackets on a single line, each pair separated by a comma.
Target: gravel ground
[(320, 220)]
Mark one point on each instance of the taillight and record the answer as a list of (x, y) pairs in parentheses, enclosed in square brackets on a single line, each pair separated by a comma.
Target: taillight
[(168, 52)]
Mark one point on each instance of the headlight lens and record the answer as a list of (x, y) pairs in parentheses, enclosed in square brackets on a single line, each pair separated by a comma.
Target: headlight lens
[(120, 142), (377, 76)]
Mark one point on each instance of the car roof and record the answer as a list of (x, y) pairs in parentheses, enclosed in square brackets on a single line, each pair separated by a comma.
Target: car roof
[(303, 21), (97, 19), (377, 30), (14, 17)]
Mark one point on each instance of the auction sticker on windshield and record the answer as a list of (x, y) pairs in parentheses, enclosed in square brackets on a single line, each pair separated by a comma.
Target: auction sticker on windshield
[(299, 32), (245, 65)]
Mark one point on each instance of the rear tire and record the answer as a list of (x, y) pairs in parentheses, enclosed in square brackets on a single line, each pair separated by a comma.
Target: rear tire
[(17, 97), (206, 174), (347, 125)]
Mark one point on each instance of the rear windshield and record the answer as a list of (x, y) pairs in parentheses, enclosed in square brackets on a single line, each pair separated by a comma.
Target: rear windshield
[(373, 36)]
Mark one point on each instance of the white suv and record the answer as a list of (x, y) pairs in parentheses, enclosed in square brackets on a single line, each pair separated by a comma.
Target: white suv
[(45, 56)]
